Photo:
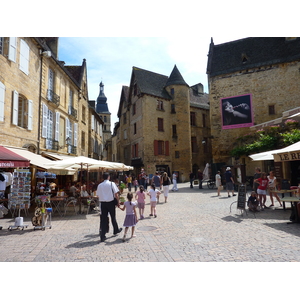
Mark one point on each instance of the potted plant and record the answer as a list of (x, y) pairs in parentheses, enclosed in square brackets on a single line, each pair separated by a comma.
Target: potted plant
[(122, 186), (122, 200)]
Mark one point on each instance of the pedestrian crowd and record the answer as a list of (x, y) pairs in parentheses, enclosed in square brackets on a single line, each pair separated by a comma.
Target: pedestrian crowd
[(109, 194)]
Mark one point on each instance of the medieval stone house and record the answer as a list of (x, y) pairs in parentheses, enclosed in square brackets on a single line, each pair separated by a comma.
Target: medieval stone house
[(251, 81), (164, 124)]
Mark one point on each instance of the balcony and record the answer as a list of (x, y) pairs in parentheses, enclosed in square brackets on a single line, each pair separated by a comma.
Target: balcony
[(73, 112), (51, 144), (52, 97), (72, 149)]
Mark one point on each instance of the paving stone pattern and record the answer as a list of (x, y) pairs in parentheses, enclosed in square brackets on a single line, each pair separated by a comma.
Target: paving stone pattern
[(193, 226)]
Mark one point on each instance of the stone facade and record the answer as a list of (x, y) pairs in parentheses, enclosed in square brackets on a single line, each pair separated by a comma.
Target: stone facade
[(255, 67), (155, 131), (46, 102)]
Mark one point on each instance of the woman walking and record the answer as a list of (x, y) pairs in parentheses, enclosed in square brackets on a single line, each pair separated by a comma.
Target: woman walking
[(165, 182)]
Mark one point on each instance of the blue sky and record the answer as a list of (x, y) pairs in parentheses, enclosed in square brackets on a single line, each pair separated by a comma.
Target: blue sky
[(110, 60)]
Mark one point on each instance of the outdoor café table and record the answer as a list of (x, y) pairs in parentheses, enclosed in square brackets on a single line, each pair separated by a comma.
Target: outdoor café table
[(285, 191), (294, 201), (59, 204)]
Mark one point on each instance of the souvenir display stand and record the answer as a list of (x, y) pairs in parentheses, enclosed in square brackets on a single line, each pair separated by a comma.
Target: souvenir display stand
[(42, 214), (19, 198)]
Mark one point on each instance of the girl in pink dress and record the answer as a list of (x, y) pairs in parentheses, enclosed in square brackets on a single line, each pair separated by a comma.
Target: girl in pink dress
[(140, 196)]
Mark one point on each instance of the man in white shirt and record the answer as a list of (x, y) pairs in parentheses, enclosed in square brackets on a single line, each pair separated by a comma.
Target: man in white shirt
[(106, 192)]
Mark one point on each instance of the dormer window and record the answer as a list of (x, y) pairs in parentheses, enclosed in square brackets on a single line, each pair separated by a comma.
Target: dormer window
[(244, 58)]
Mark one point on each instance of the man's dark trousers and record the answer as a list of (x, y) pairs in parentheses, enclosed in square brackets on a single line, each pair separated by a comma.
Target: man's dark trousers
[(108, 207)]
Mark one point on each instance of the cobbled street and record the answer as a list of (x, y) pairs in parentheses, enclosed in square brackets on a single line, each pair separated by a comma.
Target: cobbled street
[(193, 226)]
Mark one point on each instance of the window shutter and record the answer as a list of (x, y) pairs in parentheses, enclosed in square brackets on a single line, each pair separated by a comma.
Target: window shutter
[(93, 122), (167, 153), (24, 57), (12, 51), (75, 134), (155, 147), (29, 121), (2, 100), (15, 107), (45, 117), (57, 116), (67, 128)]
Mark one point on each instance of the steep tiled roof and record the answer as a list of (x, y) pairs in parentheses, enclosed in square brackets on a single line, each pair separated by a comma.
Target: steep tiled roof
[(151, 83), (251, 53), (75, 71), (176, 78)]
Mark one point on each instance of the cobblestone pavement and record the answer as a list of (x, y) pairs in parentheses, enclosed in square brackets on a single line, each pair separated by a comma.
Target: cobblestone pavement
[(193, 226)]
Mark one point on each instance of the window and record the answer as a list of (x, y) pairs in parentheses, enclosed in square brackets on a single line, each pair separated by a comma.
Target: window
[(161, 148), (2, 101), (135, 89), (133, 109), (83, 112), (22, 111), (1, 45), (173, 109), (174, 131), (177, 154), (83, 140), (193, 118), (194, 144), (172, 91), (160, 122), (135, 150), (271, 109), (204, 120), (24, 57), (124, 118), (159, 105), (105, 119), (50, 85), (125, 134), (134, 128)]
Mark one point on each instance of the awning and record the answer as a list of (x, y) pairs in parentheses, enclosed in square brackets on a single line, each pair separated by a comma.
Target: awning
[(35, 159), (10, 159), (288, 153), (40, 161)]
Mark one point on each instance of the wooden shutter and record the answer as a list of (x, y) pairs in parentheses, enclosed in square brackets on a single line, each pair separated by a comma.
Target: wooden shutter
[(12, 51), (30, 115), (45, 117), (2, 100), (24, 57), (57, 116), (75, 134), (155, 147), (167, 151), (15, 107)]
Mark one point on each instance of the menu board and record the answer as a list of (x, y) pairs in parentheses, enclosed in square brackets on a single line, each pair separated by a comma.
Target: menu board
[(241, 201)]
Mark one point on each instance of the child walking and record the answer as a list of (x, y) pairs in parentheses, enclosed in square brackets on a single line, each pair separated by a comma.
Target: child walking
[(140, 196), (153, 193), (130, 218)]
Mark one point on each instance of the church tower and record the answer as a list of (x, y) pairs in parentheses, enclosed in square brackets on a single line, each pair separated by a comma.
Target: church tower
[(103, 112)]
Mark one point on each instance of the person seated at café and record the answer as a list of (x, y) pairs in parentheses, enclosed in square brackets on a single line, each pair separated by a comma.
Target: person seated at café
[(73, 190), (253, 202), (83, 192)]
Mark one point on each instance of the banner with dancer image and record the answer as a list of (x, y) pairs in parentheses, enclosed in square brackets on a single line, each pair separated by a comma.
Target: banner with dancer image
[(237, 111)]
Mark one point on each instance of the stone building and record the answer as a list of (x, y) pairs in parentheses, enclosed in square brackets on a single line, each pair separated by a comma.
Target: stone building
[(258, 78), (163, 124), (46, 102)]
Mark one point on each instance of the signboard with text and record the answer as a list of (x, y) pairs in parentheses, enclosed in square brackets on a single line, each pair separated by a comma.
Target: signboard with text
[(287, 156)]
